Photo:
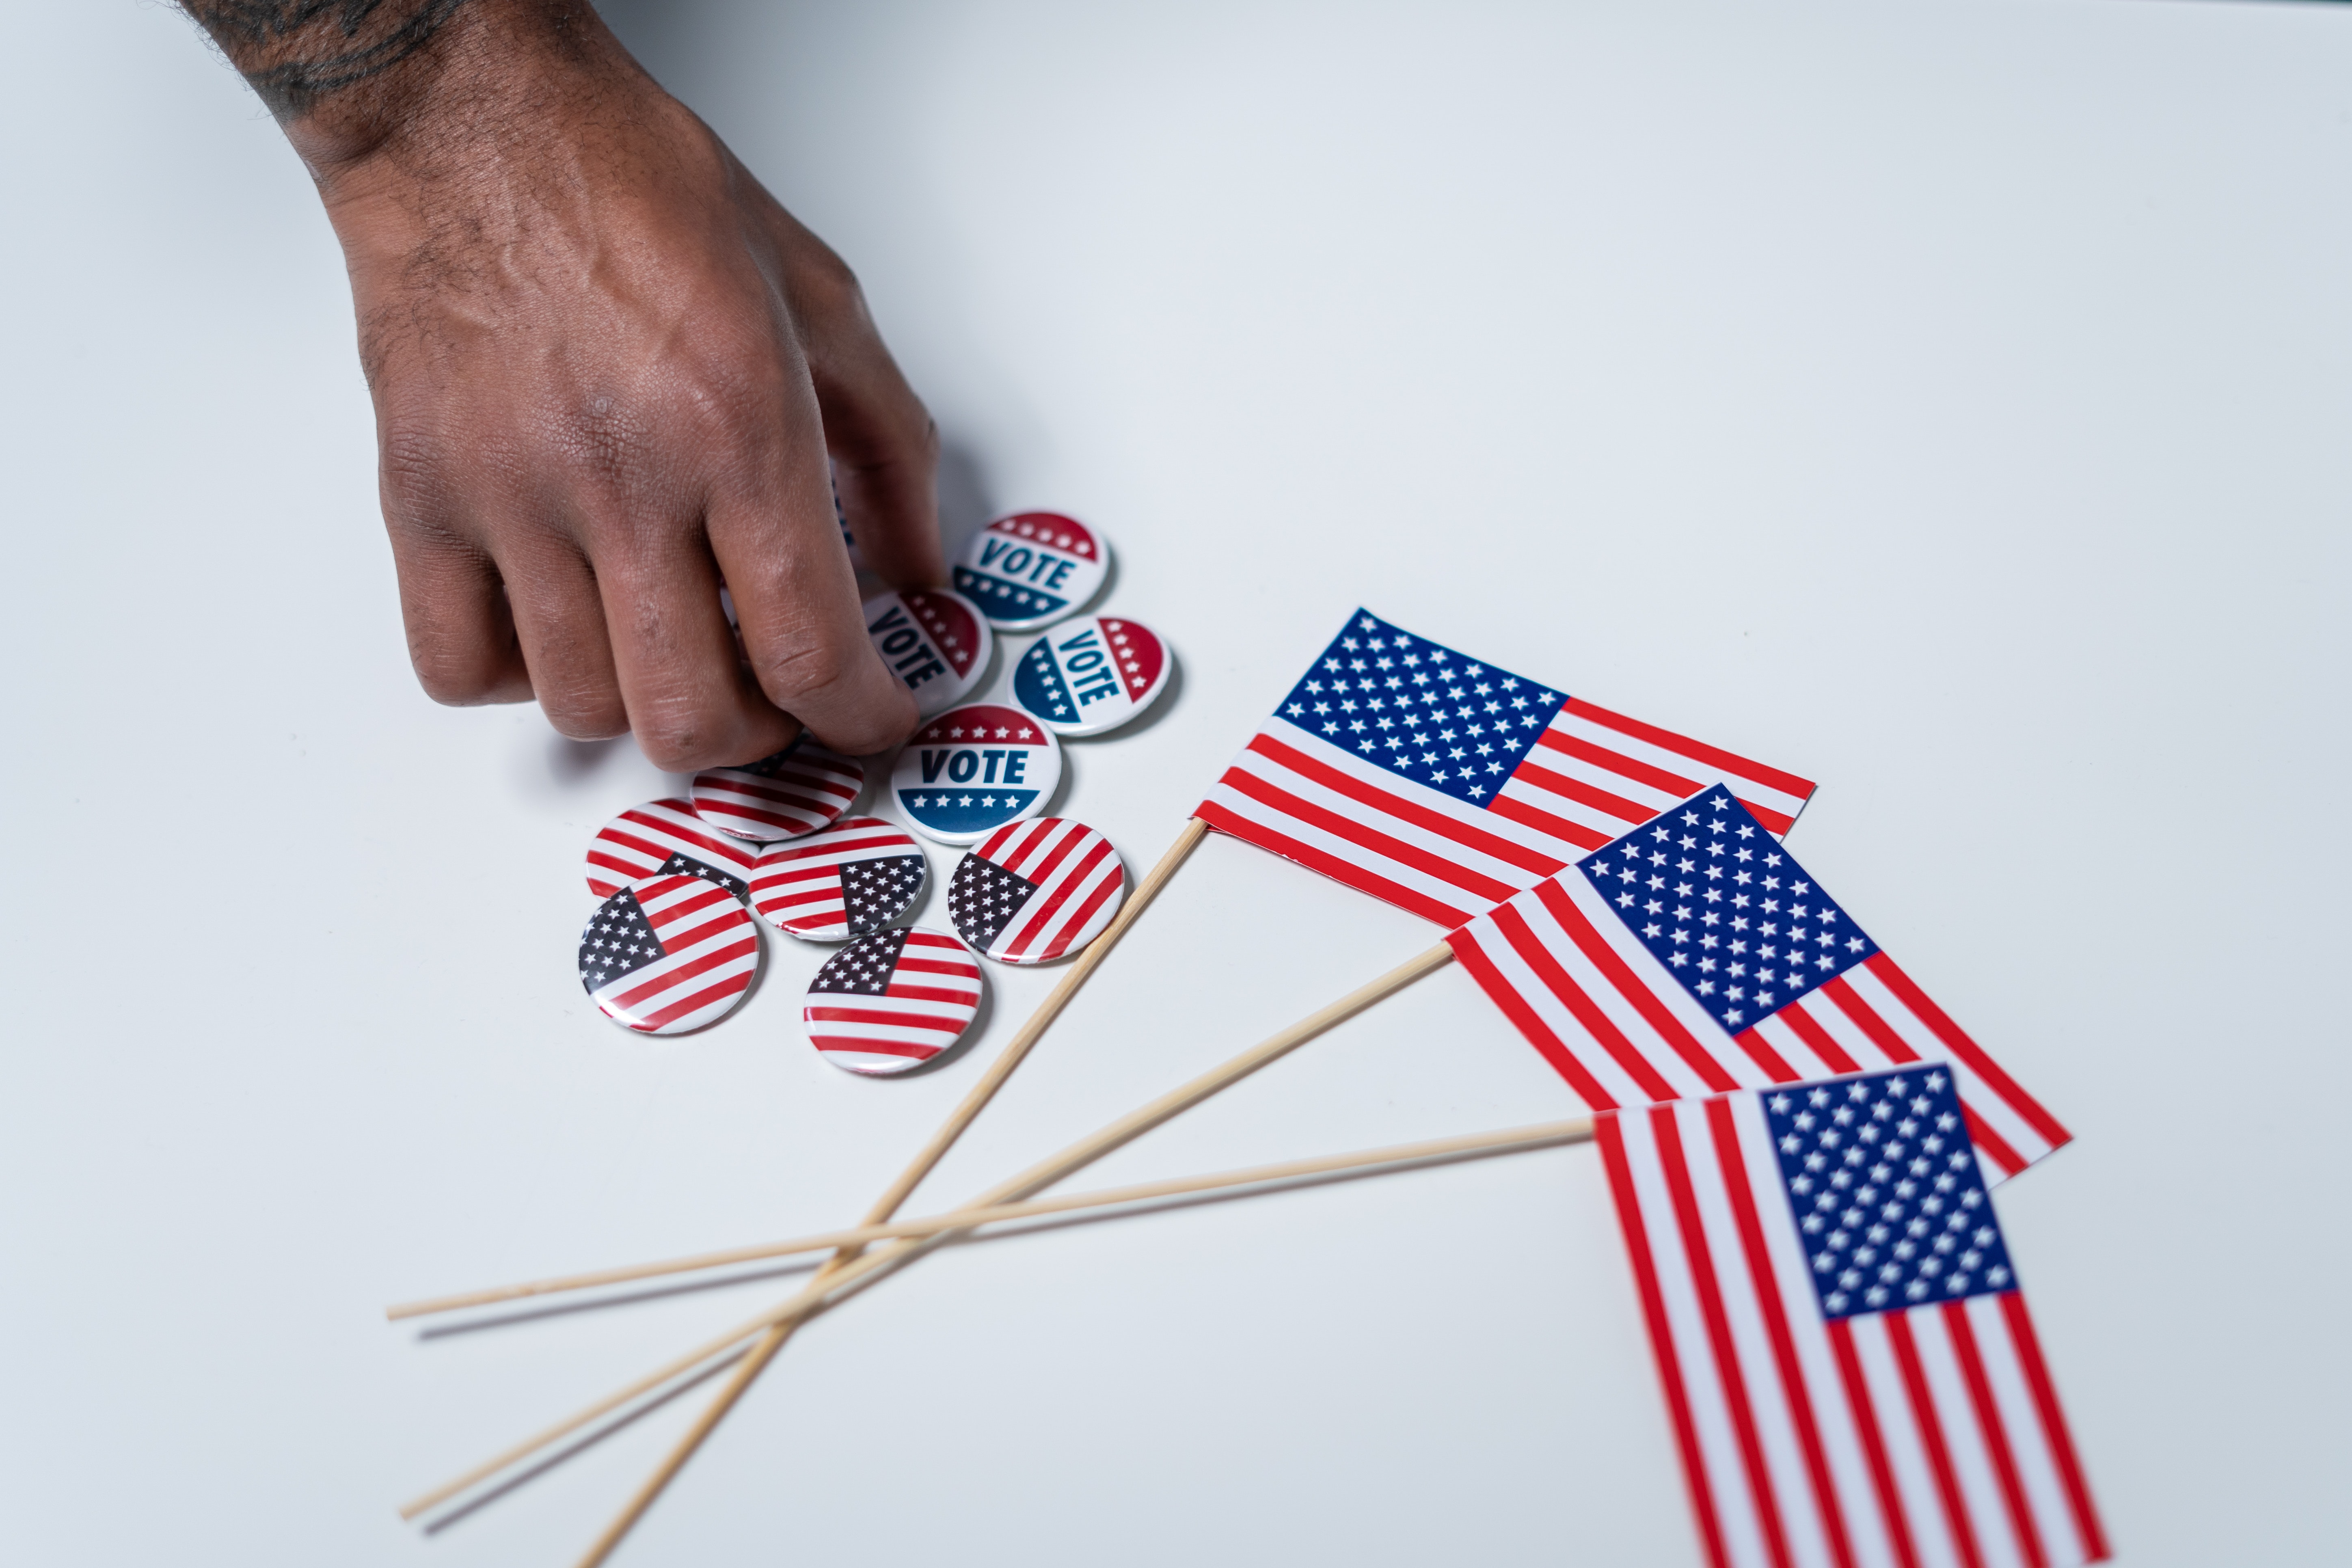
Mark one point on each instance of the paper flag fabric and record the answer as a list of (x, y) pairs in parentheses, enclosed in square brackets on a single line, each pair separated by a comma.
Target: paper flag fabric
[(663, 836), (1695, 955), (1851, 1372), (670, 954), (1445, 786)]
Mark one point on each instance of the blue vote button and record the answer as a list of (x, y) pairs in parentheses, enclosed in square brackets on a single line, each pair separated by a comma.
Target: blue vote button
[(973, 769)]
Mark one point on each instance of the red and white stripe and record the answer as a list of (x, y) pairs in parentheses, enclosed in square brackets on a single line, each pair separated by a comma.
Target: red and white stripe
[(1591, 775), (797, 885), (932, 998), (640, 841), (1929, 1437), (810, 789), (712, 951), (1081, 883), (1621, 1030)]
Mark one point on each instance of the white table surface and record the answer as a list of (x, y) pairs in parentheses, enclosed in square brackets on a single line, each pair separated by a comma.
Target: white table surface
[(1948, 400)]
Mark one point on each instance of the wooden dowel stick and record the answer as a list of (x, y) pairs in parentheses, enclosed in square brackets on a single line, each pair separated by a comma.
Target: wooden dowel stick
[(1027, 1183), (888, 1204), (1512, 1139)]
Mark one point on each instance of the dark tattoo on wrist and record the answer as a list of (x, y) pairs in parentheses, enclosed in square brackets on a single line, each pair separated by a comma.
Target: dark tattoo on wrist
[(294, 52)]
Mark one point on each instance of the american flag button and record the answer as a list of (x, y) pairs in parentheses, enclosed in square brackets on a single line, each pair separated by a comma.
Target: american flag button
[(1036, 892), (799, 790), (1093, 675), (938, 642), (1031, 569), (665, 835), (890, 1002), (851, 879), (669, 953), (975, 768)]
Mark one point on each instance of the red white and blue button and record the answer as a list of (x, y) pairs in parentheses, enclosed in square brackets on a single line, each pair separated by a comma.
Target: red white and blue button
[(1092, 675), (1032, 568), (890, 1002), (665, 835), (799, 790), (936, 642), (973, 769), (1036, 892), (670, 954), (851, 879)]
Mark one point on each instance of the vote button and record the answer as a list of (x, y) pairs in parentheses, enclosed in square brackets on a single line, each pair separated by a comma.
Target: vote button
[(1032, 569), (936, 642), (1093, 675), (973, 769)]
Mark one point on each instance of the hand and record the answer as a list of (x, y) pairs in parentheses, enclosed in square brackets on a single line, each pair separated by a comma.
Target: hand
[(607, 370)]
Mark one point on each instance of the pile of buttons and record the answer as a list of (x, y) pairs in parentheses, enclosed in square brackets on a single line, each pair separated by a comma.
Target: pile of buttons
[(675, 945)]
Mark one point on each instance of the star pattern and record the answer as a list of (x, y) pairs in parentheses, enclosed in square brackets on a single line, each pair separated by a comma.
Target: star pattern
[(873, 892), (1883, 1184), (863, 968), (936, 621), (1041, 686), (1008, 600), (982, 899), (1420, 710), (619, 940), (687, 866), (1726, 909)]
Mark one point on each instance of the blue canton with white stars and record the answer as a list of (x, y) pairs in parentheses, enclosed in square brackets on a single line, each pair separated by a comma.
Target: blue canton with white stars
[(1726, 909), (1420, 710), (1883, 1184)]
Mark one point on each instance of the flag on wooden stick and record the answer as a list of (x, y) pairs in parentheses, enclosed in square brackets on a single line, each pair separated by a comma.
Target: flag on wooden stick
[(1443, 786), (1851, 1372), (1694, 955)]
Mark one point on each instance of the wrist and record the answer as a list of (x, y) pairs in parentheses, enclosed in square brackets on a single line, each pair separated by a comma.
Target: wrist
[(419, 83)]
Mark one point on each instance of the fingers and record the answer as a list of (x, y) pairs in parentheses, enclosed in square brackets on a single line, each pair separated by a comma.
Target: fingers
[(885, 450), (559, 618), (461, 634), (690, 702), (770, 518)]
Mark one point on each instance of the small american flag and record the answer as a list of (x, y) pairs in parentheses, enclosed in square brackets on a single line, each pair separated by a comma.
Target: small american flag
[(890, 1002), (1445, 786), (663, 836), (1850, 1369), (670, 954), (797, 790), (853, 877), (1032, 892), (1694, 955)]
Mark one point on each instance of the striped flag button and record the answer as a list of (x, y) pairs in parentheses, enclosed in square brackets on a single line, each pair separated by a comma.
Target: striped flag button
[(665, 835), (851, 879), (890, 1002), (670, 954), (800, 789), (1035, 892)]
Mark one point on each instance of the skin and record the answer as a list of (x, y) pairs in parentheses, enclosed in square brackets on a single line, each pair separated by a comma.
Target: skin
[(608, 370)]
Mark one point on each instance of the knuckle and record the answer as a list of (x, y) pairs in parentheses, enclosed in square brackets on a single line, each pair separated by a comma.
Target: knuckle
[(804, 669), (678, 742), (454, 681), (580, 717)]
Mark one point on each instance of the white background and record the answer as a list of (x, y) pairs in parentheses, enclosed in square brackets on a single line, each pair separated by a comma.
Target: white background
[(1944, 401)]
